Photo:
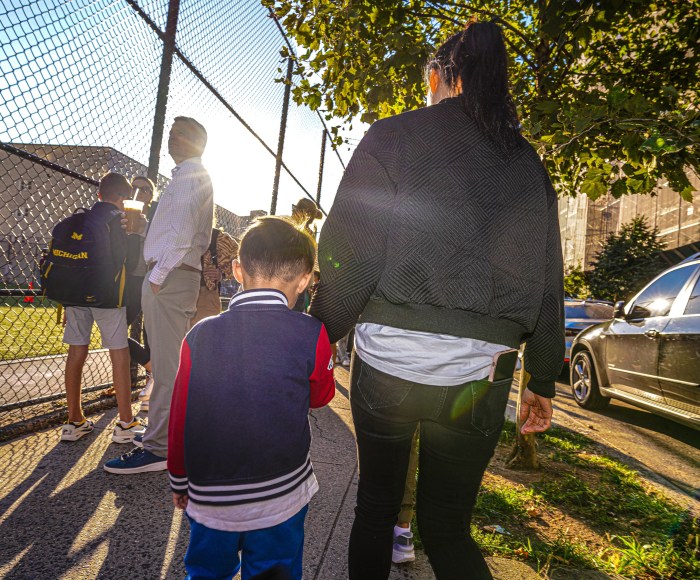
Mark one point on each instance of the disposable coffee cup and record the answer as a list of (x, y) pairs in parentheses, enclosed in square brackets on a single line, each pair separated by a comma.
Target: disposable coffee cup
[(133, 209)]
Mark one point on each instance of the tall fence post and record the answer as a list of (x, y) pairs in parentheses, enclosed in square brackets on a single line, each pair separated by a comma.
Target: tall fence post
[(283, 130), (166, 66), (320, 167)]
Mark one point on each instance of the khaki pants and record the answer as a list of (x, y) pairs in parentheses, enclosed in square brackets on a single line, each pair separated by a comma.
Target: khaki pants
[(208, 304), (166, 315)]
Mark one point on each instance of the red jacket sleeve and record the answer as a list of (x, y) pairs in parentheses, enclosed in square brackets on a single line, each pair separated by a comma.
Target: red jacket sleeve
[(322, 380), (176, 426)]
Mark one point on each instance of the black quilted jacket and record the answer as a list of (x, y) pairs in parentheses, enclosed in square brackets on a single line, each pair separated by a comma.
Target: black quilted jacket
[(433, 230)]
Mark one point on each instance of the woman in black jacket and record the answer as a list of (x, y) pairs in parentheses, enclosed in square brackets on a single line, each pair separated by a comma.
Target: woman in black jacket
[(443, 246)]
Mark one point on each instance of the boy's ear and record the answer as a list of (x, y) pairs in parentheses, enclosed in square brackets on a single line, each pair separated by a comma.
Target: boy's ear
[(238, 271), (304, 282)]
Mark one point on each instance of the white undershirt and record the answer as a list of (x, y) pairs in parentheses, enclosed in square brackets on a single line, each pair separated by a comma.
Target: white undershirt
[(441, 360)]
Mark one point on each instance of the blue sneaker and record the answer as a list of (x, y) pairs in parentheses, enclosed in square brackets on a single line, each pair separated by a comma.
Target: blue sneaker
[(138, 440), (138, 460)]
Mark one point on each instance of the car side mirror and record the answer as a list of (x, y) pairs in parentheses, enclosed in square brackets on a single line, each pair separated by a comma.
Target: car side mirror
[(619, 310), (638, 312)]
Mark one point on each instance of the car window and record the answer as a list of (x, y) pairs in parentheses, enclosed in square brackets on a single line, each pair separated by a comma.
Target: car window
[(658, 298), (597, 311), (693, 306)]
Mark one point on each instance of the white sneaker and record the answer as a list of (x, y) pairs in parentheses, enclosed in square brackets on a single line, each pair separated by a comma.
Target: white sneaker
[(74, 431), (125, 432), (403, 548), (145, 393)]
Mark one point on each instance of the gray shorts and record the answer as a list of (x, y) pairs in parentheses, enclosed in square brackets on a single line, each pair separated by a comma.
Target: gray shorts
[(110, 321)]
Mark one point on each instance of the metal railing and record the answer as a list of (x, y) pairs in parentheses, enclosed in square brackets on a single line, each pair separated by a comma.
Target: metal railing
[(91, 86)]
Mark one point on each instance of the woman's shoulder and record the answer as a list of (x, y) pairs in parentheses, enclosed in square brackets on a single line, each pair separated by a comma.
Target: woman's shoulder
[(418, 116)]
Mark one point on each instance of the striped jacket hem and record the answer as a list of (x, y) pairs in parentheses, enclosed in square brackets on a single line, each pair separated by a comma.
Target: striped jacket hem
[(218, 494)]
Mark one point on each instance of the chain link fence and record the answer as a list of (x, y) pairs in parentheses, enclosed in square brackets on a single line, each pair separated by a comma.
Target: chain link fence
[(91, 86)]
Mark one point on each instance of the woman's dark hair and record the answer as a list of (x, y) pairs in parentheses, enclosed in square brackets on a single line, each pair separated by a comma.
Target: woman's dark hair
[(477, 57)]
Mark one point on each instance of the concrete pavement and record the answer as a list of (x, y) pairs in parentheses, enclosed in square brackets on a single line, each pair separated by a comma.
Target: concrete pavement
[(62, 516)]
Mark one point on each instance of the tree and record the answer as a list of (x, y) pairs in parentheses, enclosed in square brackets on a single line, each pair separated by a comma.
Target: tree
[(606, 89), (576, 283), (627, 261)]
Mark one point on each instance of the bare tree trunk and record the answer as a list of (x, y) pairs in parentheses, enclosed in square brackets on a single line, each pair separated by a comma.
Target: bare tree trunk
[(524, 453)]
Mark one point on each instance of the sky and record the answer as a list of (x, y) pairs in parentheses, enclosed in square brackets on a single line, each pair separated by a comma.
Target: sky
[(85, 72)]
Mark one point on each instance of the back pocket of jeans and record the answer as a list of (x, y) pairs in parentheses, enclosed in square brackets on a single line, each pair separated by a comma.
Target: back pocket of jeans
[(489, 402), (380, 390)]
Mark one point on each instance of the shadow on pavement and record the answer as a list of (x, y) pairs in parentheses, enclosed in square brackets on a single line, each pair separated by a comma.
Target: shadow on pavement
[(62, 515)]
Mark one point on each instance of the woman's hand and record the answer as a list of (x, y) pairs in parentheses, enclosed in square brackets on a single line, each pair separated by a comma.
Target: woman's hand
[(535, 413)]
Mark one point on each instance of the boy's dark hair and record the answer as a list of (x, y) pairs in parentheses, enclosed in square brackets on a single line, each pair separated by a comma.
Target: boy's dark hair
[(113, 186), (274, 247)]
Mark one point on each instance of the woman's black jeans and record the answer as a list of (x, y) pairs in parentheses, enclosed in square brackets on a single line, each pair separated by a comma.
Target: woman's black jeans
[(459, 430)]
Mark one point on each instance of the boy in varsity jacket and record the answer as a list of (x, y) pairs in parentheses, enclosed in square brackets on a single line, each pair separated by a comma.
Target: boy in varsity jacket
[(239, 436)]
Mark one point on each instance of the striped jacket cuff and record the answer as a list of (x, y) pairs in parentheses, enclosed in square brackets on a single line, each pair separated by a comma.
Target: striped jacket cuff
[(178, 483)]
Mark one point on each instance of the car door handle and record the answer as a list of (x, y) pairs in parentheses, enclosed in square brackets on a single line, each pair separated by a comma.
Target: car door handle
[(651, 333)]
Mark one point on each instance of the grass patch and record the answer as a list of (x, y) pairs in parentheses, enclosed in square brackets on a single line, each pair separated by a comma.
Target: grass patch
[(31, 330), (504, 501), (584, 509), (677, 557)]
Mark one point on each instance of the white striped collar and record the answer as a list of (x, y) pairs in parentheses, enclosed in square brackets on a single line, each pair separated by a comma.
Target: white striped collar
[(259, 296)]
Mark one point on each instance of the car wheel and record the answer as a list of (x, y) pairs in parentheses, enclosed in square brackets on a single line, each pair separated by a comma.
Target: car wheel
[(584, 382)]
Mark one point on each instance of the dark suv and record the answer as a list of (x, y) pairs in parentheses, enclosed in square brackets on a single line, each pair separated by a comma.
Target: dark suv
[(648, 355)]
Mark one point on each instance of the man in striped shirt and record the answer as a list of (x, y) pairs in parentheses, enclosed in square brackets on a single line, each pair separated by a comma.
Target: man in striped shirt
[(177, 238)]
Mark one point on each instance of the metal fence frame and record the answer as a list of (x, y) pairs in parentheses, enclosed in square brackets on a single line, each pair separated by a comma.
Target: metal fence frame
[(40, 407)]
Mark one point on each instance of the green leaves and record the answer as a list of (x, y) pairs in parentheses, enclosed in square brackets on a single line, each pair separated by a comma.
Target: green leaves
[(626, 262), (595, 183), (619, 188), (597, 82), (660, 145)]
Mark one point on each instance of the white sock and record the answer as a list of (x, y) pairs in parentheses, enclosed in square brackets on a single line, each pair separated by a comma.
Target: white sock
[(399, 530)]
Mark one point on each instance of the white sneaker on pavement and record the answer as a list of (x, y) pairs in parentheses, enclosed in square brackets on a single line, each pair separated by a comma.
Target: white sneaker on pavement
[(145, 393), (125, 432), (74, 431), (403, 546)]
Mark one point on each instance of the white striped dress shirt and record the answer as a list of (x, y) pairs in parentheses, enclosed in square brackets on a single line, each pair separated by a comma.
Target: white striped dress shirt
[(181, 228)]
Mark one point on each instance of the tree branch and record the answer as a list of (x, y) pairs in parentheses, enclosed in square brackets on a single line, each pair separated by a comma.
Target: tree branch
[(530, 44), (441, 16), (575, 137)]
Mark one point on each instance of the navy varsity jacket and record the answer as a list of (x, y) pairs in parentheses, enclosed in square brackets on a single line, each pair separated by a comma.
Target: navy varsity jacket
[(239, 430)]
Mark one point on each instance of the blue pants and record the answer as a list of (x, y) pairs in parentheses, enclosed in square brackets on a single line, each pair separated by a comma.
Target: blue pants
[(217, 555)]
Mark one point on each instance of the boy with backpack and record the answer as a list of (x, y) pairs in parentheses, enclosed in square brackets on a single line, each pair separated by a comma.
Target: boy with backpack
[(86, 272), (239, 436)]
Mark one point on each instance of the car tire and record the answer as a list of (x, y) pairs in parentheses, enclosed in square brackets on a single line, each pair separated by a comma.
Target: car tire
[(584, 382)]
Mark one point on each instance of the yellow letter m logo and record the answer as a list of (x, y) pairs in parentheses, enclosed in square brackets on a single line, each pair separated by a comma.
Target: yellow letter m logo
[(77, 236)]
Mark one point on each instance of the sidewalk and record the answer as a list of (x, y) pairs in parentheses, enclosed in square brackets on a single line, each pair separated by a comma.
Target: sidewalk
[(62, 516)]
